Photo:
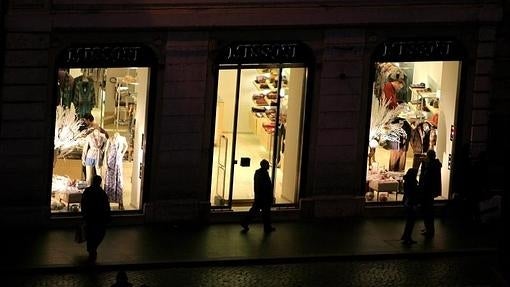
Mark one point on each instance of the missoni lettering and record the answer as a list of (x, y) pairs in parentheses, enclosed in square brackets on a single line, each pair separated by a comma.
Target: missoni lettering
[(102, 54), (243, 52)]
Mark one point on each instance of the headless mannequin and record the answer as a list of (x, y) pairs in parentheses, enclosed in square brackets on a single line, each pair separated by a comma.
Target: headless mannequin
[(121, 141), (399, 149), (421, 142), (116, 147), (92, 155)]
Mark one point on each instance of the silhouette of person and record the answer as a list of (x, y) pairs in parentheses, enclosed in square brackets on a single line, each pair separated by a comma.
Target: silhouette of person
[(430, 187), (95, 208), (411, 199), (122, 280), (263, 189)]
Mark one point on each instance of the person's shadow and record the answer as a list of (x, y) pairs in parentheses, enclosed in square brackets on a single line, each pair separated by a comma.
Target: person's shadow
[(82, 260)]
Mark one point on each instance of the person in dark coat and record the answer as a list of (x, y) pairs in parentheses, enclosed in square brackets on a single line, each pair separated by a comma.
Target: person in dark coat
[(95, 208), (411, 199), (122, 280), (430, 188), (263, 189)]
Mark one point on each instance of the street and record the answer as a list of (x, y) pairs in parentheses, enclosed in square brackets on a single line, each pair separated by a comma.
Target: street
[(438, 270)]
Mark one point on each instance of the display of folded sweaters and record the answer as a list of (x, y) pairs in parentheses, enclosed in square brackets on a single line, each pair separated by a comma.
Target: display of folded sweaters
[(260, 79), (258, 110), (269, 127), (261, 102), (272, 95)]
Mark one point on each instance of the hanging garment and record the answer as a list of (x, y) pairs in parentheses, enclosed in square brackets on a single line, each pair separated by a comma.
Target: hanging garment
[(65, 88), (84, 96), (117, 146)]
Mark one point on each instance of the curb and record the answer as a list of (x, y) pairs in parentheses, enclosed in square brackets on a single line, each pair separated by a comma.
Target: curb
[(115, 266)]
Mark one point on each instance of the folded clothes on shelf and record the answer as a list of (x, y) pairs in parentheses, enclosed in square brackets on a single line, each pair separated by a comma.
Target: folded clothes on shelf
[(260, 79), (269, 127), (258, 110), (272, 95), (420, 85), (261, 102)]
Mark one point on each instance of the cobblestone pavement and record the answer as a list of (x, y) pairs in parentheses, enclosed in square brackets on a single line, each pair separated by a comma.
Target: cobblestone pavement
[(473, 270)]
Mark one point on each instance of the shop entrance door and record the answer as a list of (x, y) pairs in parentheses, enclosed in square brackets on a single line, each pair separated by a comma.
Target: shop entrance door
[(258, 116)]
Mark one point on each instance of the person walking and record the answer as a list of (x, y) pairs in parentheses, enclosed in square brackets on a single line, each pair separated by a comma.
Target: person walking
[(95, 208), (410, 204), (430, 188), (263, 189)]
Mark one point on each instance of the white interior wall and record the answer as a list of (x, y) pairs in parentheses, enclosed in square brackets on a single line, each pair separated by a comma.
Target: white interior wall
[(226, 96), (448, 104), (140, 116), (296, 78), (246, 90), (428, 73)]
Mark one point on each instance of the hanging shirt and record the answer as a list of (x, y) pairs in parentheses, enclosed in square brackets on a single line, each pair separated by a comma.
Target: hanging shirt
[(84, 96)]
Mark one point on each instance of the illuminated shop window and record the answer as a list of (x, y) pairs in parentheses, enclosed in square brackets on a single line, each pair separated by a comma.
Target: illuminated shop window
[(99, 130), (413, 110)]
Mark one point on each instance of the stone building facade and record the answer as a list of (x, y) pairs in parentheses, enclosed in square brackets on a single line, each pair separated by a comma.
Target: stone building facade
[(185, 39)]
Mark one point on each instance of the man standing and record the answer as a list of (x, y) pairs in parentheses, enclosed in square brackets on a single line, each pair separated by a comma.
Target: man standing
[(430, 188), (263, 188), (95, 208)]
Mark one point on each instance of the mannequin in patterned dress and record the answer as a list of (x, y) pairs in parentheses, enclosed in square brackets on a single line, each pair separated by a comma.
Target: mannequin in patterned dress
[(115, 149)]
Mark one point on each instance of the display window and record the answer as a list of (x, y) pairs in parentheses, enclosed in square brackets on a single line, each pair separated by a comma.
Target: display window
[(259, 115), (413, 111), (99, 130)]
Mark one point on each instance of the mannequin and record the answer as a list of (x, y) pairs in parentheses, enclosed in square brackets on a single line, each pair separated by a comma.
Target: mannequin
[(399, 149), (92, 155), (422, 140), (116, 147)]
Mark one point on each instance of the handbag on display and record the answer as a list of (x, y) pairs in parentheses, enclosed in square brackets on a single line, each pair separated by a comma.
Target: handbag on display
[(79, 234)]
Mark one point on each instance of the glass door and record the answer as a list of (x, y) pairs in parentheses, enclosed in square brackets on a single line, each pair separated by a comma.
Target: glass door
[(258, 116)]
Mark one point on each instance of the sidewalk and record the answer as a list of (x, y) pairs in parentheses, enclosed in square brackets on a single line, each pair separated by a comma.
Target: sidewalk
[(152, 246)]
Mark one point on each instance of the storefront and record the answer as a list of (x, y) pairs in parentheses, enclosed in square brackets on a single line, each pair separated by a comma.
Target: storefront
[(192, 104), (260, 115), (415, 96), (101, 119)]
